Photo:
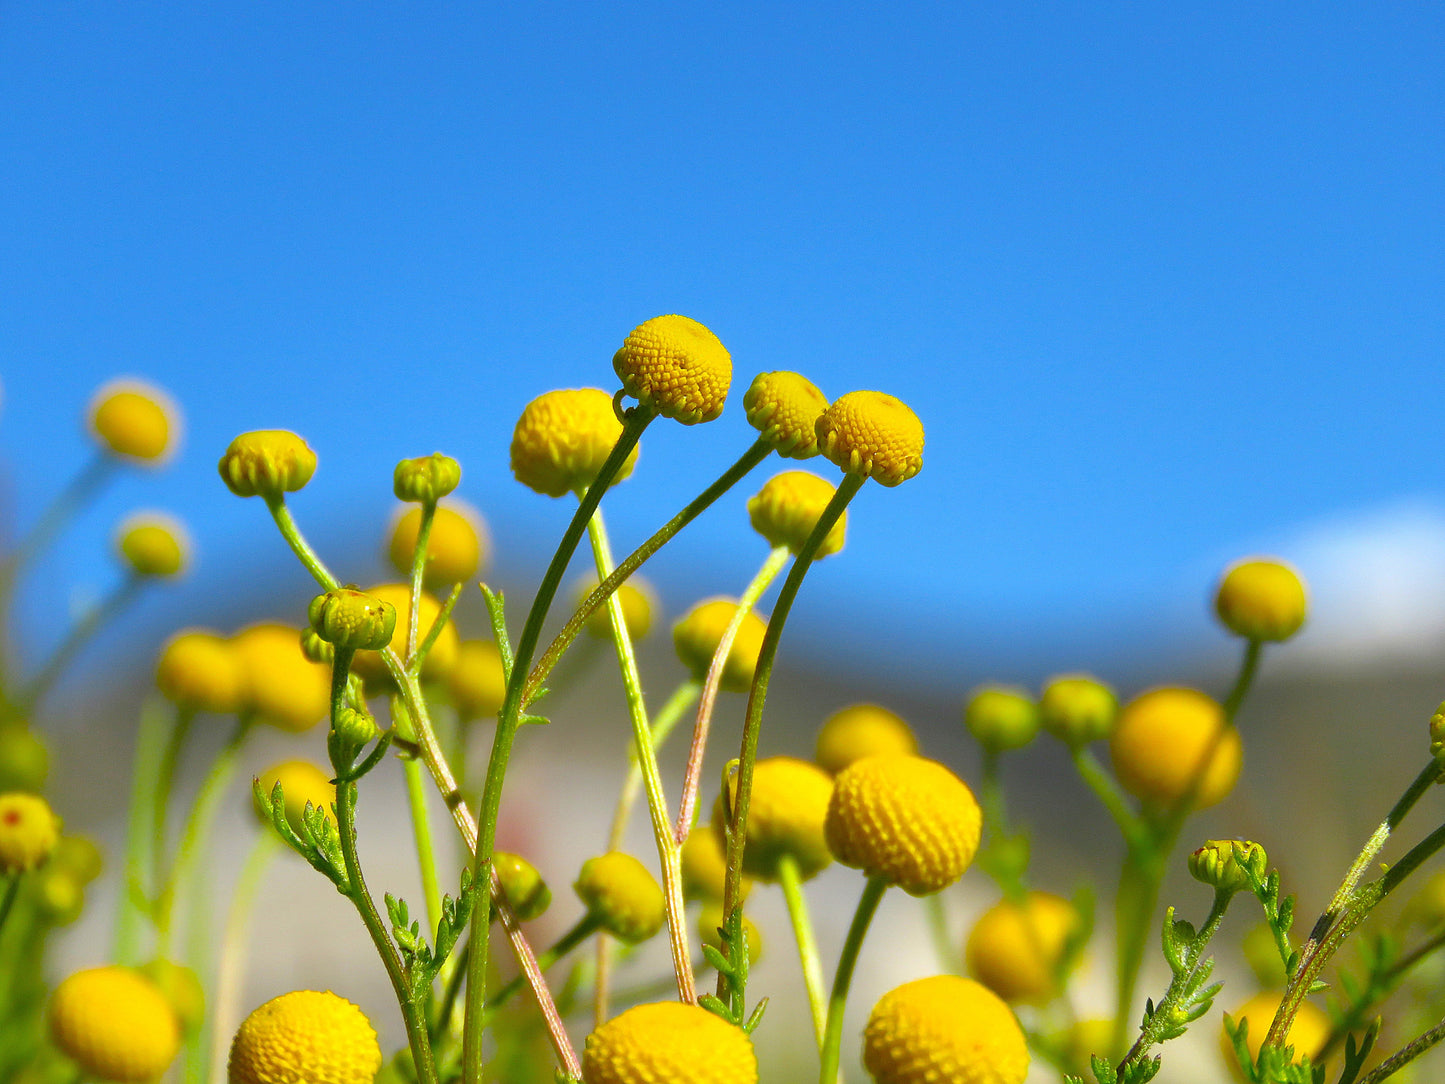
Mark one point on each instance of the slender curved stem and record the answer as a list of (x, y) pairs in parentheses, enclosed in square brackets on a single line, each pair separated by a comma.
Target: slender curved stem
[(791, 882), (1244, 679), (164, 784), (838, 1000), (67, 503), (1406, 1054), (234, 951), (420, 823), (299, 546), (663, 723), (81, 633), (582, 929), (156, 720), (418, 570)]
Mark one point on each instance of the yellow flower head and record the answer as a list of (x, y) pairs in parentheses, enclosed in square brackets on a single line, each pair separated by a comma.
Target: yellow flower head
[(1015, 950), (267, 463), (677, 367), (153, 544), (526, 891), (1001, 718), (351, 619), (426, 479), (709, 925), (24, 759), (697, 635), (637, 599), (440, 659), (666, 1042), (870, 433), (619, 890), (135, 420), (79, 855), (1307, 1034), (785, 407), (29, 831), (281, 685), (862, 730), (456, 549), (1168, 738), (115, 1024), (201, 671), (785, 817), (906, 819), (705, 867), (944, 1028), (302, 784), (181, 988), (787, 508), (306, 1036), (476, 680), (1076, 709), (58, 895), (1261, 598), (562, 440)]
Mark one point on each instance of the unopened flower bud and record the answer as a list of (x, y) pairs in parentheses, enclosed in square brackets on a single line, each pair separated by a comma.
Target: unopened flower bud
[(785, 407), (267, 463), (355, 727), (1437, 737), (352, 619), (315, 648), (426, 479), (134, 420), (1076, 709), (1224, 864), (525, 889), (874, 434), (1261, 599), (676, 366), (1001, 718), (153, 544)]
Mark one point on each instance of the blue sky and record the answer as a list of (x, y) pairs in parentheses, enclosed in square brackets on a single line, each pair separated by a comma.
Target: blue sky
[(1162, 281)]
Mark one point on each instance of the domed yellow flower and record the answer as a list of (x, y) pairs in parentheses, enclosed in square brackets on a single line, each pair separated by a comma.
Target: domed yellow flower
[(440, 659), (200, 671), (1261, 598), (306, 1036), (29, 831), (667, 1042), (153, 544), (1001, 718), (267, 463), (115, 1024), (455, 550), (785, 407), (906, 819), (1307, 1034), (281, 685), (870, 433), (1077, 709), (709, 924), (135, 420), (697, 634), (1168, 737), (1015, 949), (677, 367), (562, 440), (637, 599), (786, 810), (705, 867), (79, 855), (862, 730), (944, 1028), (619, 890), (787, 508), (476, 680), (302, 784)]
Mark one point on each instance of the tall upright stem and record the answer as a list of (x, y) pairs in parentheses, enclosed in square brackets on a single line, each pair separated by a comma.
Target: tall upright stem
[(791, 882), (838, 1001)]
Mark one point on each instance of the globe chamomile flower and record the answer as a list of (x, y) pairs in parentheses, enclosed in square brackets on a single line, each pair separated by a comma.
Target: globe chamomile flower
[(562, 440), (1001, 718), (135, 420), (905, 819), (1308, 1033), (306, 1035), (705, 866), (699, 631), (788, 507), (786, 810), (1078, 709), (1015, 949), (677, 367), (638, 601), (873, 434), (944, 1028), (199, 670), (153, 544), (622, 895), (439, 660), (426, 479), (29, 831), (477, 683), (861, 730), (665, 1042), (302, 784), (115, 1024), (267, 463), (526, 891), (281, 685), (456, 548), (1173, 744), (1261, 598), (785, 407)]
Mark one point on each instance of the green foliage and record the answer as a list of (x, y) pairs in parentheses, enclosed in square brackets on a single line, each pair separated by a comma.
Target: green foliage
[(318, 841), (734, 969), (421, 962)]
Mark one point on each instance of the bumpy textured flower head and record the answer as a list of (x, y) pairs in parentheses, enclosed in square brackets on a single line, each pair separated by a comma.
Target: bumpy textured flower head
[(677, 367), (24, 759), (302, 784), (476, 680), (705, 866), (1308, 1034), (906, 819), (638, 601), (135, 420), (29, 831), (1222, 864), (1077, 709), (870, 433), (115, 1024), (306, 1036), (619, 890), (280, 684), (786, 810), (667, 1042), (785, 407), (1001, 718), (455, 550), (709, 930), (153, 544), (426, 479), (182, 990), (787, 508), (1170, 743), (527, 892), (700, 630), (439, 660), (1015, 950), (1261, 598), (862, 730), (200, 671), (267, 463), (944, 1028), (352, 619), (562, 440)]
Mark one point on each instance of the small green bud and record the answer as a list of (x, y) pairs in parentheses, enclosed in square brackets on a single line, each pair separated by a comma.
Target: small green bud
[(315, 648), (426, 479), (526, 891), (1222, 864), (1437, 737), (353, 619), (24, 759), (267, 463), (1001, 718), (620, 892), (355, 727), (1076, 709)]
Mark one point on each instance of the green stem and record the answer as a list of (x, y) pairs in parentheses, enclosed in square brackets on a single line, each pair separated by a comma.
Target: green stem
[(508, 720), (7, 902), (1242, 682), (1406, 1054), (582, 929), (418, 569), (943, 947), (1110, 796), (1381, 985), (299, 546), (792, 885), (164, 785), (443, 1020), (67, 503), (420, 823), (1134, 906), (231, 970), (838, 1001), (157, 718), (81, 633), (663, 724)]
